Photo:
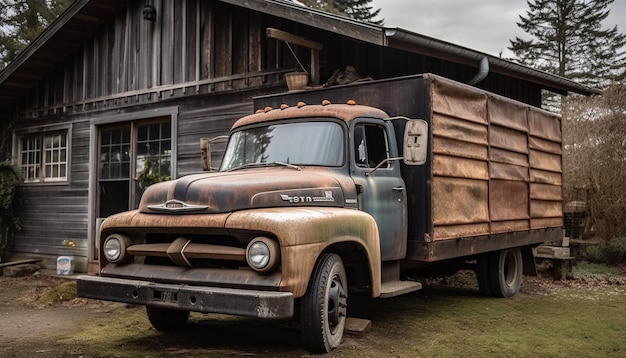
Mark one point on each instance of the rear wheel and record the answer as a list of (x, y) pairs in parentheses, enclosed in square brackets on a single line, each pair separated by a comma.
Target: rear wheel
[(506, 272), (499, 273), (165, 319), (324, 306)]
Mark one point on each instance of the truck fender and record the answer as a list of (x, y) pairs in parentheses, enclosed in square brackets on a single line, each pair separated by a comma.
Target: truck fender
[(305, 232)]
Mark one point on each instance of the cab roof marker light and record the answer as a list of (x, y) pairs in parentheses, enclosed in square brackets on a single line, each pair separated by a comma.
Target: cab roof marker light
[(284, 106), (259, 111), (301, 104), (267, 109), (325, 102), (351, 102)]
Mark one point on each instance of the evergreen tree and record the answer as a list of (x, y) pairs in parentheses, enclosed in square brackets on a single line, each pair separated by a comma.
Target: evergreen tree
[(21, 21), (356, 9), (568, 40)]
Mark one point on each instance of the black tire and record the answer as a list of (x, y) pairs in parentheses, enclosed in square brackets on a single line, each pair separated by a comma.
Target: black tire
[(482, 274), (505, 272), (165, 319), (324, 306)]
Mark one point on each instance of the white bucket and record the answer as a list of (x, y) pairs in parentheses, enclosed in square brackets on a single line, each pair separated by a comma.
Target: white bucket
[(65, 265)]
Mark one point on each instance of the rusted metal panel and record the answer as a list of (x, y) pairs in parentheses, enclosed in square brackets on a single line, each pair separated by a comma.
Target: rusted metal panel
[(542, 176), (504, 156), (541, 223), (507, 113), (508, 200), (459, 201), (545, 209), (444, 165), (545, 125), (508, 172), (446, 249), (453, 147), (509, 139), (544, 161), (545, 192), (459, 129), (498, 227), (458, 101), (520, 147), (454, 232), (305, 232), (331, 111), (545, 145)]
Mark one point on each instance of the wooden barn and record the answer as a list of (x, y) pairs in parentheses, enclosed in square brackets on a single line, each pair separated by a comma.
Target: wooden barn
[(117, 93)]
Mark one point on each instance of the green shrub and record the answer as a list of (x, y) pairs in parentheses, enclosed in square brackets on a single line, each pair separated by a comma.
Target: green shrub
[(10, 178), (610, 253)]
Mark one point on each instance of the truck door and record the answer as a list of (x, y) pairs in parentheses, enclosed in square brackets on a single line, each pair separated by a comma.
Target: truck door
[(382, 190)]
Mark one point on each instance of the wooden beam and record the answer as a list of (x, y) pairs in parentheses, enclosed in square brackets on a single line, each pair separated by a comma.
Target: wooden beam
[(293, 39), (314, 46), (315, 67)]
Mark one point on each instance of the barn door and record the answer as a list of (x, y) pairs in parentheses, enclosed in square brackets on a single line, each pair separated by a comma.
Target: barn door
[(130, 156)]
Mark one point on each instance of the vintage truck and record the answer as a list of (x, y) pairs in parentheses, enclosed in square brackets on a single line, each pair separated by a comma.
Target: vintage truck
[(355, 186)]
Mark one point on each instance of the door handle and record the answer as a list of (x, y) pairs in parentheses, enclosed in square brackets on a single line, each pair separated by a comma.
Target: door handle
[(398, 188)]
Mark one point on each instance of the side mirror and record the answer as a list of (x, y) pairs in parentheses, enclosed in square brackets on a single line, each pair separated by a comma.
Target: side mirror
[(205, 151), (415, 142), (205, 154)]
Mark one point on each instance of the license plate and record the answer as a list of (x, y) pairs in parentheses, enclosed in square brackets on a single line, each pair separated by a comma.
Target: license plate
[(165, 296)]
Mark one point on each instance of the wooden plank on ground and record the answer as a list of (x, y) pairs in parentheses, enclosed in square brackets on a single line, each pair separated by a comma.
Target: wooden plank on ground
[(18, 262), (357, 326)]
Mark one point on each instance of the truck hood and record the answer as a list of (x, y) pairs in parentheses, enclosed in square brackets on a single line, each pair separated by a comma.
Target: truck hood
[(243, 189)]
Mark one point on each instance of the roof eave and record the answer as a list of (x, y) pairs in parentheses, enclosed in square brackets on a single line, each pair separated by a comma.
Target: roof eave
[(342, 25), (410, 41)]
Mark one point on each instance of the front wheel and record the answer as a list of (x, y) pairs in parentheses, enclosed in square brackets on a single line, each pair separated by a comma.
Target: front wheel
[(166, 320), (324, 306)]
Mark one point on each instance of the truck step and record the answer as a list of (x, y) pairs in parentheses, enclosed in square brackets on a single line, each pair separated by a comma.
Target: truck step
[(397, 288)]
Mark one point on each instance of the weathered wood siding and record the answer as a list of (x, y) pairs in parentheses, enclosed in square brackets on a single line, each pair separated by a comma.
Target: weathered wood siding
[(52, 213), (194, 47)]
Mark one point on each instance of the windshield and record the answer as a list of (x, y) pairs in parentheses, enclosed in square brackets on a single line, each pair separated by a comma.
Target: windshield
[(302, 143)]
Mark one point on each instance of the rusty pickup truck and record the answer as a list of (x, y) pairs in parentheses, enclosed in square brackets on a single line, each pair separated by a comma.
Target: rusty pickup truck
[(357, 186)]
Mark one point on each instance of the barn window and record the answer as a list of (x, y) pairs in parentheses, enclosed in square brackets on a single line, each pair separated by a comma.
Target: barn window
[(44, 157)]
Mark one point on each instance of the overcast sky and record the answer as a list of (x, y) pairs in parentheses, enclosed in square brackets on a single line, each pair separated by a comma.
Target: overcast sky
[(482, 25)]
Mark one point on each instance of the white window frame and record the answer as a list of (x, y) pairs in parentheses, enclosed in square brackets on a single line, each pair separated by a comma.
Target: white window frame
[(49, 150)]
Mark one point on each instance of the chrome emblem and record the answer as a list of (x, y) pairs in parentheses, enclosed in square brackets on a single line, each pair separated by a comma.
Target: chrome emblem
[(328, 197), (177, 206)]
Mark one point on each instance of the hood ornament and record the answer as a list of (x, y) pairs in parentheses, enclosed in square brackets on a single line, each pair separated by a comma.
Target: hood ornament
[(177, 206)]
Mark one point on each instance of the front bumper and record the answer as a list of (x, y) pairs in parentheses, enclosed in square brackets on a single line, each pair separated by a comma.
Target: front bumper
[(240, 302)]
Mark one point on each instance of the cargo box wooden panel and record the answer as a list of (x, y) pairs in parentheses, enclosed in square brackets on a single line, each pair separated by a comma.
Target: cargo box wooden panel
[(496, 164)]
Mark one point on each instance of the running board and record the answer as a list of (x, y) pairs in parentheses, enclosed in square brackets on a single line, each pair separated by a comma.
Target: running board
[(397, 288)]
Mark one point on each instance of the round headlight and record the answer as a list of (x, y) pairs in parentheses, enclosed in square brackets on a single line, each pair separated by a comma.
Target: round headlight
[(263, 254), (259, 255), (114, 248)]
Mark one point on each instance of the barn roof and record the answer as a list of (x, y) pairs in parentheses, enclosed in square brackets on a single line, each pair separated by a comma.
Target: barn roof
[(84, 17)]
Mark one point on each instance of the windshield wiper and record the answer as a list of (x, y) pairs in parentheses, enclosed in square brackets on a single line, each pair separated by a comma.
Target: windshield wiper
[(252, 165), (287, 165), (247, 165)]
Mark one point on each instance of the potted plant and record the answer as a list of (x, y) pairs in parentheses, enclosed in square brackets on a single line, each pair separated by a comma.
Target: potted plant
[(150, 174)]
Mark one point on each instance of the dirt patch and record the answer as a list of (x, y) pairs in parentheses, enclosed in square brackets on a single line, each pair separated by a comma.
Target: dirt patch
[(34, 317)]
